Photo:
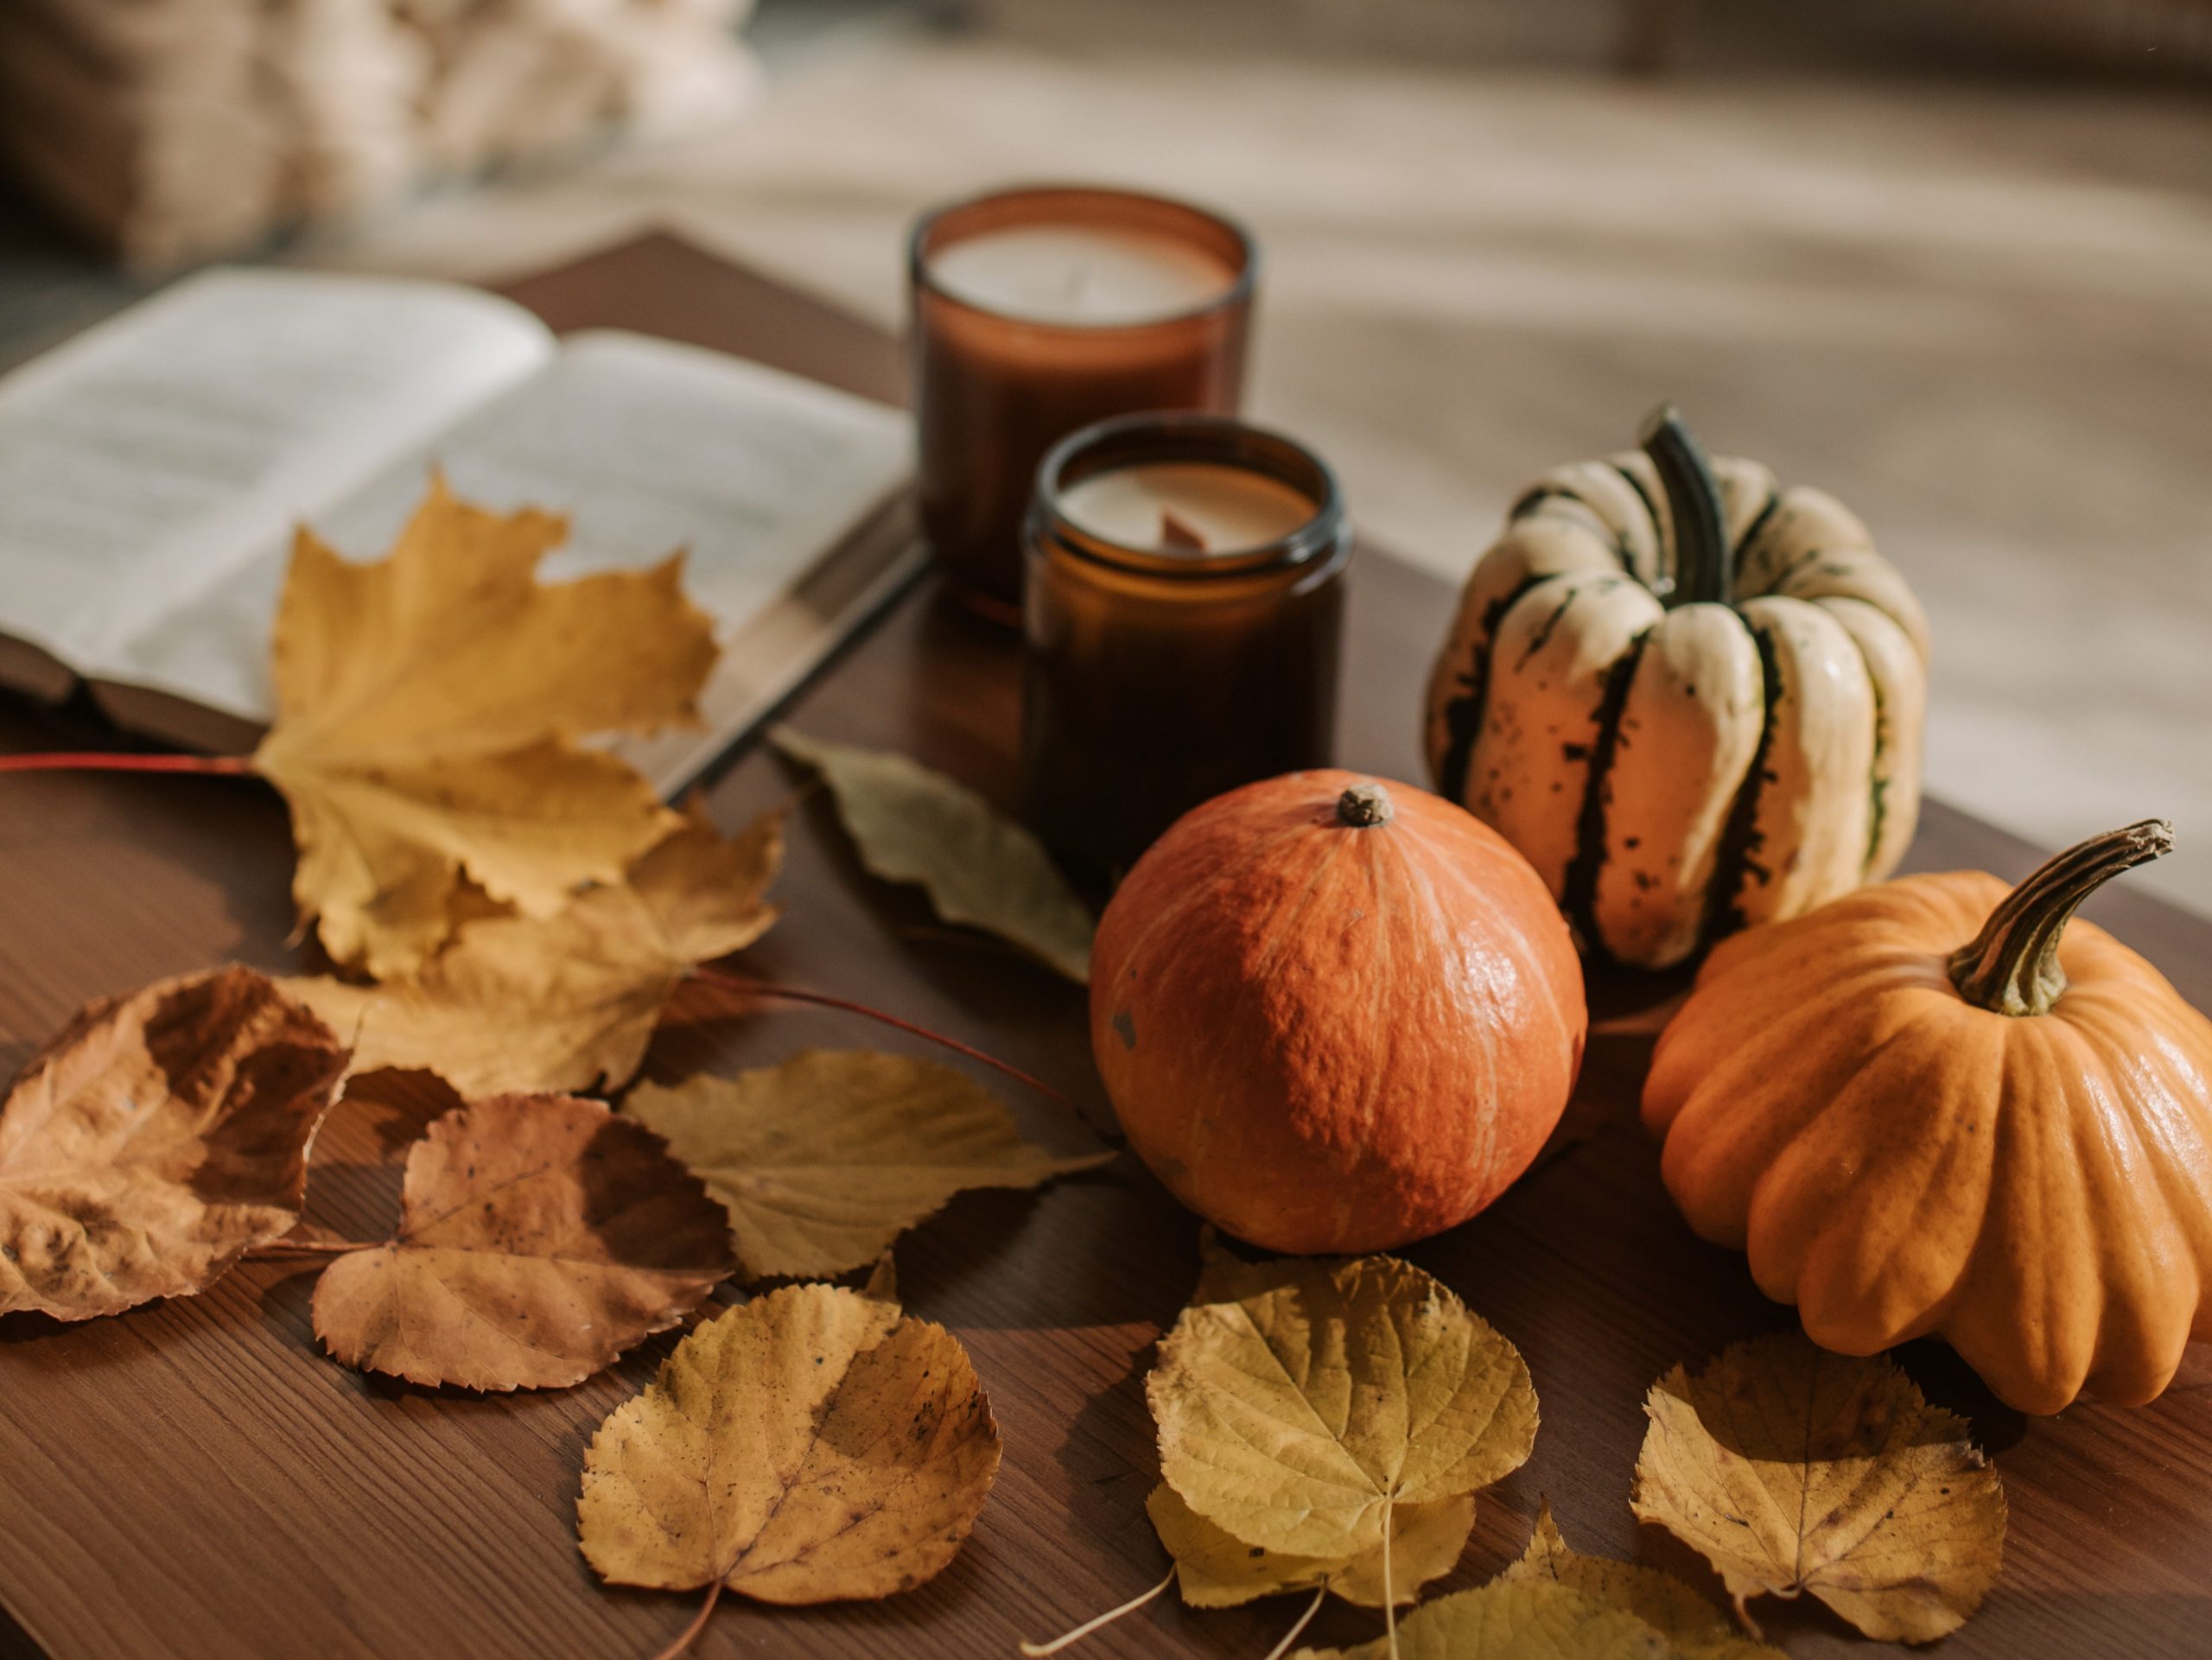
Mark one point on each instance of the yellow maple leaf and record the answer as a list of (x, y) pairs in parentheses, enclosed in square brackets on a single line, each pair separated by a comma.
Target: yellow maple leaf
[(516, 1003), (427, 709), (1791, 1469), (823, 1161), (811, 1446), (1693, 1627), (1299, 1401)]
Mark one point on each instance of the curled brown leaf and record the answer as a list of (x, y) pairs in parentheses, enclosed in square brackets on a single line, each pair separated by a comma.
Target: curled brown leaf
[(159, 1137), (539, 1237)]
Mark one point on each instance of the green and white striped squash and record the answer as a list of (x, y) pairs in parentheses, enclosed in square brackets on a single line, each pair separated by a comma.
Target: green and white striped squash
[(1691, 698)]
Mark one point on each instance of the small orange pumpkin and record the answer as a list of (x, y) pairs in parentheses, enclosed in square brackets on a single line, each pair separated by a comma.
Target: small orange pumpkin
[(1335, 1014), (2006, 1142)]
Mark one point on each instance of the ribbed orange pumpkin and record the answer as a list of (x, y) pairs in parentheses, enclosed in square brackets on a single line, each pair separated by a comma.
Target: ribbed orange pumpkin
[(1335, 1014), (2002, 1136)]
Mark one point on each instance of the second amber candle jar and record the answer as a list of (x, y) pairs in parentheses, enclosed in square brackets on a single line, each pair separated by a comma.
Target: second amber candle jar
[(1184, 611)]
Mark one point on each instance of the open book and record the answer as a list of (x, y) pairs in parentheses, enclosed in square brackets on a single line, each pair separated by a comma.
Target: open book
[(153, 469)]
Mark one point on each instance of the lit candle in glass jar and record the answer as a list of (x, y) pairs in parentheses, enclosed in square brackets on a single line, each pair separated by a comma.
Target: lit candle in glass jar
[(1038, 311), (1183, 609)]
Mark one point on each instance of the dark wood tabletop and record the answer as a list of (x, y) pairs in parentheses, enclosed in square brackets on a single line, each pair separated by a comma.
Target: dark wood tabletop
[(196, 1479)]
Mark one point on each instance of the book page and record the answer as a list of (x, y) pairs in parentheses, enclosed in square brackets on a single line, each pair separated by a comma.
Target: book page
[(144, 458), (648, 446)]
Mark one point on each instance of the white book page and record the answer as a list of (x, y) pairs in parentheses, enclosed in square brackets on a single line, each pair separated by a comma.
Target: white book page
[(146, 457), (648, 446)]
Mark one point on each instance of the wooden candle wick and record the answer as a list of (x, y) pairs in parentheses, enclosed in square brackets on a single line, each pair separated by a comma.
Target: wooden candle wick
[(1177, 534)]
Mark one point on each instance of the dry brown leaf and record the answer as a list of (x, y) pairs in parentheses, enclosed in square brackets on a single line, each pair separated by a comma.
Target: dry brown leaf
[(515, 1004), (158, 1139), (1216, 1570), (1512, 1620), (1792, 1470), (979, 868), (1691, 1626), (427, 713), (825, 1160), (540, 1236), (811, 1446), (1300, 1400)]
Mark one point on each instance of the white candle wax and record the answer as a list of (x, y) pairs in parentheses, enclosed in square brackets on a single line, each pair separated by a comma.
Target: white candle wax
[(1159, 506), (1078, 276)]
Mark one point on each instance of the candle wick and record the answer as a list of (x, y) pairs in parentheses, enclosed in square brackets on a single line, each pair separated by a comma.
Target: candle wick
[(1179, 533)]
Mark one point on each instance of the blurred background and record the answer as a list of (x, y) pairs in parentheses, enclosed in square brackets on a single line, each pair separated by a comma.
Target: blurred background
[(1951, 259)]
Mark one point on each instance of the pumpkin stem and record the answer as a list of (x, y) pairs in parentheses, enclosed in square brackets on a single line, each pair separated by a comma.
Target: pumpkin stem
[(2012, 966), (1364, 806), (1703, 560)]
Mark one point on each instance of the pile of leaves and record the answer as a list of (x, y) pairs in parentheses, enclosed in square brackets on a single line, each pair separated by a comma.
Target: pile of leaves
[(1325, 1426), (511, 908)]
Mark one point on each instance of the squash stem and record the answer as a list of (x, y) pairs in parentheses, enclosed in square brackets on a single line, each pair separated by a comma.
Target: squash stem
[(1703, 559), (2012, 966)]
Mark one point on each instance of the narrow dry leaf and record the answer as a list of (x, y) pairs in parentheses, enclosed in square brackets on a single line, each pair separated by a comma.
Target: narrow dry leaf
[(1691, 1626), (825, 1160), (978, 867), (1792, 1470), (157, 1140), (1508, 1620), (540, 1236), (1299, 1401), (1215, 1569), (516, 1004), (427, 709), (811, 1446)]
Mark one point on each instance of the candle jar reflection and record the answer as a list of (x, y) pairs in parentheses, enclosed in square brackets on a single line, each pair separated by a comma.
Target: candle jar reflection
[(1159, 676), (1038, 311)]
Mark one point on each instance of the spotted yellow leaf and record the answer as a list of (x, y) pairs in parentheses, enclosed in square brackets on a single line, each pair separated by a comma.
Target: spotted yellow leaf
[(1300, 1400), (811, 1446), (1793, 1470), (1511, 1620), (1691, 1626)]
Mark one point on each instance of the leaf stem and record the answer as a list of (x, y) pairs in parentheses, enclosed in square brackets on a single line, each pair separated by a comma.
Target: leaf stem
[(1390, 1591), (315, 1247), (1304, 1620), (751, 986), (1035, 1650), (691, 1633), (100, 762)]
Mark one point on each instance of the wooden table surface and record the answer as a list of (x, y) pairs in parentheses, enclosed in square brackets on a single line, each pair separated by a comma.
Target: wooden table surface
[(195, 1478)]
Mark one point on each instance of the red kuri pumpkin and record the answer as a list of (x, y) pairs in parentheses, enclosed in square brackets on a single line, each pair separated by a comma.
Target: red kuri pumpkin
[(1335, 1014)]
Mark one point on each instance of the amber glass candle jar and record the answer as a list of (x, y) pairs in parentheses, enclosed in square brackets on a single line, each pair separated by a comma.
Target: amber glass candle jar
[(1184, 605), (1041, 310)]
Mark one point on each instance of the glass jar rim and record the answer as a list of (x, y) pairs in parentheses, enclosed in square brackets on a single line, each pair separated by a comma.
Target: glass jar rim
[(1237, 292), (1175, 436)]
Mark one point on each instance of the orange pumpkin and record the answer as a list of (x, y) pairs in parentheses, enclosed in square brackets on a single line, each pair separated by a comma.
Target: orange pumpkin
[(1335, 1014), (1933, 1107)]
